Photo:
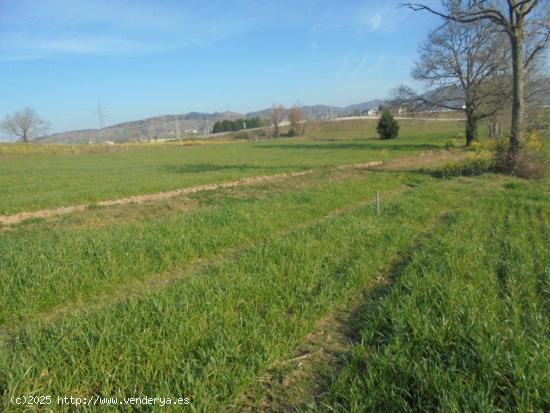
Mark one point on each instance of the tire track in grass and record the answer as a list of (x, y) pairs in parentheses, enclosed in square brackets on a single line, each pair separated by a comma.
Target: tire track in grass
[(490, 353), (321, 355), (516, 262), (503, 248), (382, 325), (524, 307), (302, 379)]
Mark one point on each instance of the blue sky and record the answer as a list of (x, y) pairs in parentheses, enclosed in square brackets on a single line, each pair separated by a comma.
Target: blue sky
[(145, 58)]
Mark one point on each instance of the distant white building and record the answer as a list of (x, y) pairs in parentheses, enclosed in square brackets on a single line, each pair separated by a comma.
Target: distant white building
[(189, 131), (109, 143), (372, 112)]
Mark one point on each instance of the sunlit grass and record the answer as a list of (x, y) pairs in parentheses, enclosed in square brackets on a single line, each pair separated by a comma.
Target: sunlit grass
[(198, 296), (209, 335), (466, 328), (47, 266), (40, 179)]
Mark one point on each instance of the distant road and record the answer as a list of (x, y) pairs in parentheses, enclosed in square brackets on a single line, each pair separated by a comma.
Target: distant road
[(398, 118)]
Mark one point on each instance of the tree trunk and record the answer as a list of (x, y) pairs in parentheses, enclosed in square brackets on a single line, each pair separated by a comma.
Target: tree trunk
[(518, 98), (471, 128), (496, 129)]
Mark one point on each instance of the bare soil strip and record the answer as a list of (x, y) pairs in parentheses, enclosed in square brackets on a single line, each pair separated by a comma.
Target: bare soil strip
[(45, 213)]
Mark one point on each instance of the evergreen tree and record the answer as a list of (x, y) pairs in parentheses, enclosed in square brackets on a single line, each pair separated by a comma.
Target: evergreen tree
[(387, 128)]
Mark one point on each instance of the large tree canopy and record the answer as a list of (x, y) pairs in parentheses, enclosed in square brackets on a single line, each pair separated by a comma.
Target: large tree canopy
[(527, 26)]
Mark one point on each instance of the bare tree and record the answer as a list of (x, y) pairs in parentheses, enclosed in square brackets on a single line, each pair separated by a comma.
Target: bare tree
[(277, 114), (527, 26), (296, 119), (24, 124), (463, 60), (537, 86)]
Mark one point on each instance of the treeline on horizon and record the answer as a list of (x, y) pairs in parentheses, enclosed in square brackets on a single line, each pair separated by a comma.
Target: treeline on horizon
[(227, 125)]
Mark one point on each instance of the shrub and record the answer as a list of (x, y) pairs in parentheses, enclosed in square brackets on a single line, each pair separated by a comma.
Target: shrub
[(475, 146), (530, 165), (256, 135), (471, 166), (238, 136), (387, 128), (530, 162), (261, 133)]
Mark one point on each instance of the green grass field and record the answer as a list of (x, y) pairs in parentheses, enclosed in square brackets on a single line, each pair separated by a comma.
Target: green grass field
[(469, 330), (34, 177), (288, 295)]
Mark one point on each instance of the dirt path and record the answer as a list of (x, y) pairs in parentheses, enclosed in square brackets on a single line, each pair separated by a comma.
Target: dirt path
[(45, 213)]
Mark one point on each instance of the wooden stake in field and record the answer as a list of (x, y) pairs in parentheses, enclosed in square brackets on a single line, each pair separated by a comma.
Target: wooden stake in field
[(378, 202)]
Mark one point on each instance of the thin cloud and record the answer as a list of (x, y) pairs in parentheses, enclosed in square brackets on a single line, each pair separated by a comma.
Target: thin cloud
[(35, 30), (30, 48), (93, 45), (375, 21), (385, 17), (356, 67)]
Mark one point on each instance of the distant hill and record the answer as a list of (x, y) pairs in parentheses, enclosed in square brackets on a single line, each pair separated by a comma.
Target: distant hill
[(198, 123), (190, 124), (164, 127), (326, 111)]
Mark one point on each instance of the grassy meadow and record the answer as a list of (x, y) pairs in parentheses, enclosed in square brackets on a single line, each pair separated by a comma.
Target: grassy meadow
[(466, 327), (289, 295), (48, 176)]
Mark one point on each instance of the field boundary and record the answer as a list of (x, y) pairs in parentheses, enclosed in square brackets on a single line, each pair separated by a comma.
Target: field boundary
[(157, 196)]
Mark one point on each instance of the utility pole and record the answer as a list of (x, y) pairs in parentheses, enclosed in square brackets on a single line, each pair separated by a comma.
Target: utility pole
[(100, 115), (206, 129), (177, 128)]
